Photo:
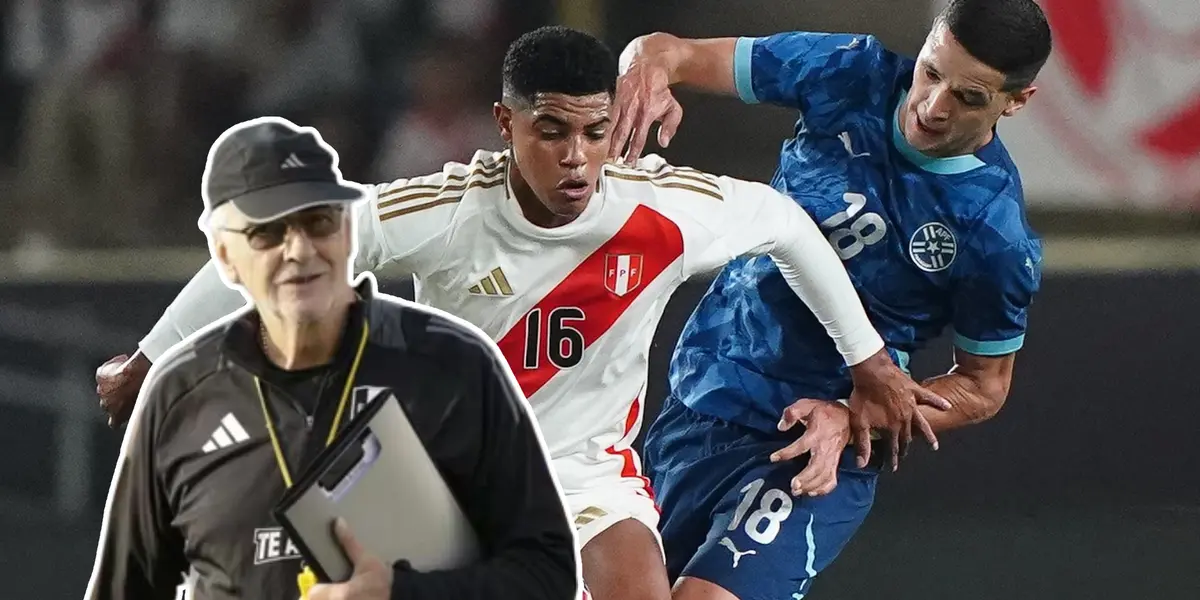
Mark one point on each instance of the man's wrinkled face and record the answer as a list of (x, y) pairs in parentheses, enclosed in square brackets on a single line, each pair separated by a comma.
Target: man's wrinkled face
[(293, 267)]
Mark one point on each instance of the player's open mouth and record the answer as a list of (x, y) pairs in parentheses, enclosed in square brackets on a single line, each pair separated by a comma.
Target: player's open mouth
[(923, 128), (300, 279), (575, 189)]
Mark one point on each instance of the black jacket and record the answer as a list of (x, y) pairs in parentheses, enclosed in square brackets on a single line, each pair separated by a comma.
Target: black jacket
[(198, 478)]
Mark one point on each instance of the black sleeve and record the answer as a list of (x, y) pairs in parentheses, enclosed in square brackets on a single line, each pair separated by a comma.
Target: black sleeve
[(515, 505), (140, 555)]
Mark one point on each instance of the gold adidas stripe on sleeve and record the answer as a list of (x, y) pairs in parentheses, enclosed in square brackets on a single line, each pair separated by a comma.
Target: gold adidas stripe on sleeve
[(669, 176), (668, 183), (448, 192), (451, 183), (668, 170)]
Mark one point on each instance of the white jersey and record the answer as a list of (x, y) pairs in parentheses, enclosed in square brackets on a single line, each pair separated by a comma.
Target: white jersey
[(574, 308)]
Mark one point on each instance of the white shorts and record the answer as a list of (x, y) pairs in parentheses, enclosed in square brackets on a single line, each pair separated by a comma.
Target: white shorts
[(597, 509)]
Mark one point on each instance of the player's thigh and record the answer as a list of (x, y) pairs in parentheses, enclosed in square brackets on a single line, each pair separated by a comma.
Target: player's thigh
[(620, 550), (764, 543), (692, 459), (625, 562)]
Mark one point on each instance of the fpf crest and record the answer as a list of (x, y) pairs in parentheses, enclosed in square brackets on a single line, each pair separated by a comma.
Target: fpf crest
[(622, 273)]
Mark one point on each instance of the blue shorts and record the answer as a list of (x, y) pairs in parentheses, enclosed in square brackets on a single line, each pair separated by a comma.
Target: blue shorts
[(728, 515)]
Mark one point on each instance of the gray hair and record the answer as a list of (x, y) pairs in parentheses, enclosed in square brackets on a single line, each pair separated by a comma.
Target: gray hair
[(219, 218)]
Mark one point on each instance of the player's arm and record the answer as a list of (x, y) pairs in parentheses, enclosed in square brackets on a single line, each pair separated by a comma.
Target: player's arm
[(786, 69), (995, 284), (753, 218), (976, 389), (516, 505), (704, 64), (139, 555)]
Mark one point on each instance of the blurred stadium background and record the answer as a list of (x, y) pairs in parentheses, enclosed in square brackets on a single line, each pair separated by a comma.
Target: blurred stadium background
[(1086, 486)]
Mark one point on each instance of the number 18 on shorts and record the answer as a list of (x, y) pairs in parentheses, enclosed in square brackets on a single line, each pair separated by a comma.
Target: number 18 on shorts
[(728, 516), (771, 544)]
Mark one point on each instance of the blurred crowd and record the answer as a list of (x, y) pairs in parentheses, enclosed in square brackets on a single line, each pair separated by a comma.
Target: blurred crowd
[(108, 107)]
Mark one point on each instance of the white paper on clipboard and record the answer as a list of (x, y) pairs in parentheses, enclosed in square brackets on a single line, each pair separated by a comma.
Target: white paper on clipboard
[(381, 480)]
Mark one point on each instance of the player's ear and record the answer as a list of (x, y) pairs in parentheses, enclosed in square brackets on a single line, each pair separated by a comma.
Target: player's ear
[(503, 116), (221, 255), (1018, 99)]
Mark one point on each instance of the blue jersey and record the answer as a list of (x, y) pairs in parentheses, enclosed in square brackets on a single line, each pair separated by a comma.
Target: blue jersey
[(928, 242)]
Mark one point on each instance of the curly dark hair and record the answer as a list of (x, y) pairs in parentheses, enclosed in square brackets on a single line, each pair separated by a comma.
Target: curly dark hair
[(560, 60)]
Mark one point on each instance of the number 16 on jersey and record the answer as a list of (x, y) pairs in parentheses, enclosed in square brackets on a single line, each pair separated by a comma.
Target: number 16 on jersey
[(563, 343)]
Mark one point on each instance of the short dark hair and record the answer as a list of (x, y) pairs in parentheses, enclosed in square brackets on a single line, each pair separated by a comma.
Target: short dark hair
[(1011, 36), (560, 60)]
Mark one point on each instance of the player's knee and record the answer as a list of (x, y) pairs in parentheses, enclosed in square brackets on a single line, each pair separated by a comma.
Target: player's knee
[(625, 563), (637, 583)]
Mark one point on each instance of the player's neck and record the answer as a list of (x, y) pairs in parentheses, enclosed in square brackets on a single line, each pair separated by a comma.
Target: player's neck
[(531, 208), (967, 147), (983, 141), (963, 149), (295, 346)]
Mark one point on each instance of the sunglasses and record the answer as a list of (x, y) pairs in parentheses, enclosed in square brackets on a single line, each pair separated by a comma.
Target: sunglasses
[(316, 223)]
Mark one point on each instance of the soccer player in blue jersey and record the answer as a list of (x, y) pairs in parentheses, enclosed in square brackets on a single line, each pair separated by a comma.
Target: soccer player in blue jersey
[(899, 161)]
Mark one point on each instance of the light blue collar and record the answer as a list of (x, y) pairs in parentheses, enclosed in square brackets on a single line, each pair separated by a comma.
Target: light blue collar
[(951, 165)]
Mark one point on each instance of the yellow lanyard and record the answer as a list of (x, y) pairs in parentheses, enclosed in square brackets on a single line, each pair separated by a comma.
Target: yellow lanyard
[(307, 579)]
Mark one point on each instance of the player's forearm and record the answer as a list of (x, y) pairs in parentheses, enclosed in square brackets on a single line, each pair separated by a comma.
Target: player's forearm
[(204, 300), (972, 400), (816, 274), (702, 64)]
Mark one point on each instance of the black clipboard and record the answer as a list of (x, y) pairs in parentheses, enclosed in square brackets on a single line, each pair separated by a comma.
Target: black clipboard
[(378, 476)]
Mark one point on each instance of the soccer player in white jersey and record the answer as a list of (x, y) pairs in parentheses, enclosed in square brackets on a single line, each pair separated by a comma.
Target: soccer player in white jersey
[(567, 263)]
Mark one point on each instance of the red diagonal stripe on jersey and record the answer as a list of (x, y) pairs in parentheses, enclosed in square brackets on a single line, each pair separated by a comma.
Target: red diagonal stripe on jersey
[(646, 233), (629, 467)]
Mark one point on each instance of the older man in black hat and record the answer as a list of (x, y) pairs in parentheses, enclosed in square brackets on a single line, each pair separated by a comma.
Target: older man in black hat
[(262, 181), (231, 415)]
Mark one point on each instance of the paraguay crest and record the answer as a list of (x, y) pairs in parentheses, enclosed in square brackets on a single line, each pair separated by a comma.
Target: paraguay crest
[(932, 247)]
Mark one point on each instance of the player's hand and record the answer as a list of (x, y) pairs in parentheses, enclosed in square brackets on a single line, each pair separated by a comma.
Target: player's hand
[(827, 431), (885, 397), (643, 98), (371, 579), (117, 383)]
